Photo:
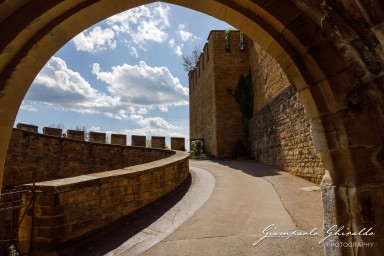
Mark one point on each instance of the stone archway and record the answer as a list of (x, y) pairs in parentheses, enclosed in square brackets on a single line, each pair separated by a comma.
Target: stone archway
[(332, 53)]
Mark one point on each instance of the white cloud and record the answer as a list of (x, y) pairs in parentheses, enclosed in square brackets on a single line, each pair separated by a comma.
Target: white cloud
[(184, 35), (29, 107), (144, 23), (152, 122), (97, 39), (131, 90), (134, 52), (62, 88), (143, 85), (176, 48)]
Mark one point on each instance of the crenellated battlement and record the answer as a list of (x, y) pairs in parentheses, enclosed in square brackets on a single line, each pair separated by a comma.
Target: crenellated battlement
[(220, 44)]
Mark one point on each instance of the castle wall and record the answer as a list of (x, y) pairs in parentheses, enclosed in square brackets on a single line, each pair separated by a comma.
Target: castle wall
[(214, 113), (33, 156), (202, 102), (228, 68), (279, 131), (69, 208)]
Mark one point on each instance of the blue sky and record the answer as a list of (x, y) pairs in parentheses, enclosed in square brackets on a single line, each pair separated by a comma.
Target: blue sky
[(122, 75)]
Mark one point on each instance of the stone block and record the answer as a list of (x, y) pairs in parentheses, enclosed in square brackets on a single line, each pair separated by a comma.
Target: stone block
[(97, 137), (119, 139), (57, 132), (27, 127), (178, 143), (76, 135), (139, 141), (157, 142)]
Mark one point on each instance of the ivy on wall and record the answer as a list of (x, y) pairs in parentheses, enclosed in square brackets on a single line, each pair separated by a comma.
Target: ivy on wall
[(244, 97), (227, 41)]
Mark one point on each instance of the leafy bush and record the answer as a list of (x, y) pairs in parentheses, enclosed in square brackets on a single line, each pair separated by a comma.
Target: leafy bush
[(197, 149)]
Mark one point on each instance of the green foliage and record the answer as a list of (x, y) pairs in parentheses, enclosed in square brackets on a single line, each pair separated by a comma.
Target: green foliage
[(239, 150), (244, 95), (227, 41), (197, 149)]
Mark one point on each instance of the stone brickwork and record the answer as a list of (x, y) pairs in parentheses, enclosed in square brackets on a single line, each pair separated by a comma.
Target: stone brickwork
[(47, 157), (53, 131), (97, 137), (178, 143), (202, 102), (280, 134), (214, 112), (76, 135), (68, 208), (27, 127), (139, 141), (119, 139), (157, 142), (281, 137)]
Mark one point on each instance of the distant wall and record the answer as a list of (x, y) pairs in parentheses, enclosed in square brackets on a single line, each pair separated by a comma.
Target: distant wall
[(32, 155)]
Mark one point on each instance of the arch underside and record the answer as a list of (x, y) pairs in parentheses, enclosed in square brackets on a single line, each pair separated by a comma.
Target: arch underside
[(332, 54)]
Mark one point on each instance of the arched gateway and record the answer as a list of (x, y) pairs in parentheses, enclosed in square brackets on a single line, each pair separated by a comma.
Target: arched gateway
[(332, 52)]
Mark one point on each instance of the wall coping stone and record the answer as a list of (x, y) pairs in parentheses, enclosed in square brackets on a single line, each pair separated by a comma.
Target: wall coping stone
[(68, 184)]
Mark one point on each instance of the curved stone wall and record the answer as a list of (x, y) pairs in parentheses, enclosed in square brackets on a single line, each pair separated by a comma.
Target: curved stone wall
[(34, 156), (68, 208)]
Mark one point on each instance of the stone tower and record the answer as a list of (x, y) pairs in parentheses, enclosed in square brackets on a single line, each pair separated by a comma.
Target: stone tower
[(218, 122)]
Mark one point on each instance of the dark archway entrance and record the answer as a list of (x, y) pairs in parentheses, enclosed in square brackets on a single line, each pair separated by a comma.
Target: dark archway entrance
[(331, 52)]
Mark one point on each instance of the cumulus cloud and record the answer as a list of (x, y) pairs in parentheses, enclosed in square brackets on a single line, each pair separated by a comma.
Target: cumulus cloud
[(95, 40), (144, 23), (62, 88), (132, 92), (143, 85), (152, 122)]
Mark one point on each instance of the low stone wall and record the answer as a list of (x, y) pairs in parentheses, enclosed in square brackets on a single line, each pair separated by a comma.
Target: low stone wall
[(34, 156), (281, 137), (69, 208)]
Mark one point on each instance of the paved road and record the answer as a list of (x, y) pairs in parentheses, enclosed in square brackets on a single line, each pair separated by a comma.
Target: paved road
[(223, 211)]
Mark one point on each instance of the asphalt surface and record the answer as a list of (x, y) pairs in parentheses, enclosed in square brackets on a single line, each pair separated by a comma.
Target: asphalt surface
[(224, 208)]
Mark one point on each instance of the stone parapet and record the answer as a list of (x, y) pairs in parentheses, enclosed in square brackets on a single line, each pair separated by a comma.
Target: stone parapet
[(42, 157), (97, 137), (27, 127), (139, 141), (178, 143), (53, 131), (76, 135), (68, 208), (119, 139), (157, 142)]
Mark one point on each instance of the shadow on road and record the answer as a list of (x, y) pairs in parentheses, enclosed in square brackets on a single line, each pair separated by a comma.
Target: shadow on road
[(250, 167), (109, 238)]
